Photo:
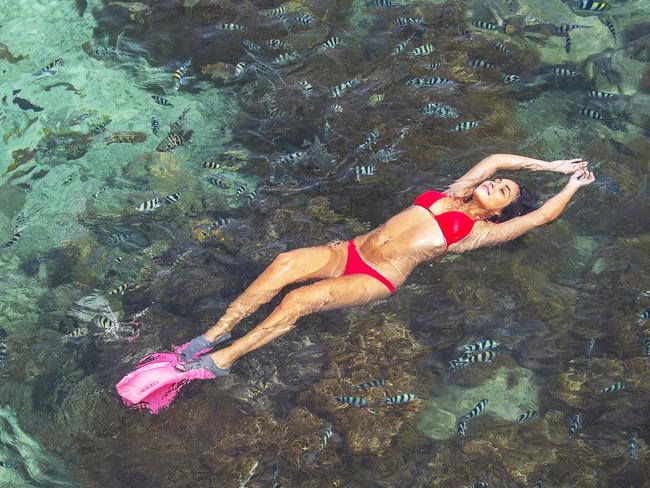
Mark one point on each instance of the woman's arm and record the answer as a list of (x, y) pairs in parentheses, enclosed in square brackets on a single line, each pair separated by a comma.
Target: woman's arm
[(489, 234), (464, 185)]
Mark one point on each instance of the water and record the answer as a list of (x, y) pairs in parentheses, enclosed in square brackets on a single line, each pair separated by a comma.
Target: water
[(544, 296)]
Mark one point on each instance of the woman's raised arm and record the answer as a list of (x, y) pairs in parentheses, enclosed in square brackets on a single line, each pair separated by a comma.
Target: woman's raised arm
[(482, 171), (488, 233)]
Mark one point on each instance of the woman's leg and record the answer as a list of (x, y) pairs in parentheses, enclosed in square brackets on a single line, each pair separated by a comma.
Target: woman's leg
[(289, 267), (328, 294)]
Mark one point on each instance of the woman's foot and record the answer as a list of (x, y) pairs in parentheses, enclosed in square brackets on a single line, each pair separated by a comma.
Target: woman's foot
[(200, 345)]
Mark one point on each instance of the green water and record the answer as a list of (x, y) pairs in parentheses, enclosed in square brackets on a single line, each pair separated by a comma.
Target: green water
[(69, 194)]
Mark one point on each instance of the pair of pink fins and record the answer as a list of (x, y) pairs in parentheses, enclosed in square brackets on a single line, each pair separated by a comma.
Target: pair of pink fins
[(155, 382)]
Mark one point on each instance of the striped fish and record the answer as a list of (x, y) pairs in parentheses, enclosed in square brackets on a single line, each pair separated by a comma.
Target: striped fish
[(222, 222), (326, 433), (401, 47), (432, 66), (219, 182), (400, 399), (368, 170), (306, 87), (249, 197), (274, 12), (251, 46), (149, 205), (482, 345), (277, 44), (211, 165), (419, 82), (232, 27), (486, 25), (575, 424), (539, 483), (103, 322), (336, 108), (479, 357), (371, 140), (646, 347), (125, 137), (240, 68), (609, 23), (590, 347), (173, 198), (501, 47), (120, 289), (286, 58), (118, 259), (179, 74), (435, 109), (330, 43), (480, 63), (240, 191), (379, 382), (117, 238), (507, 79), (381, 4), (461, 430), (564, 72), (404, 21), (352, 400), (618, 386), (339, 90), (305, 19), (600, 94), (290, 158), (526, 417), (465, 126), (99, 191), (477, 410), (591, 5), (423, 50), (643, 317), (77, 333), (161, 101), (455, 365), (49, 67), (155, 126), (632, 445), (3, 347), (564, 28), (595, 115), (174, 140), (567, 42)]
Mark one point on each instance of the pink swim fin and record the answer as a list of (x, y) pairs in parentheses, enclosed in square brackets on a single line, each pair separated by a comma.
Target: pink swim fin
[(155, 385)]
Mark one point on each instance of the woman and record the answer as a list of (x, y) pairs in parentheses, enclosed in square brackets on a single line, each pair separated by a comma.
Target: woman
[(373, 265)]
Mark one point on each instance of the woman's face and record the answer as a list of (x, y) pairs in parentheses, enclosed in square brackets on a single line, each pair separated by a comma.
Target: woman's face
[(495, 194)]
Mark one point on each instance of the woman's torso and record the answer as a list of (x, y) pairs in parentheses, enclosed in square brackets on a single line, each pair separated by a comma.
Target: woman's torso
[(405, 240)]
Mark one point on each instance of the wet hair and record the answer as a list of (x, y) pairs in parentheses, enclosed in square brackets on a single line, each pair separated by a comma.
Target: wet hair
[(526, 202)]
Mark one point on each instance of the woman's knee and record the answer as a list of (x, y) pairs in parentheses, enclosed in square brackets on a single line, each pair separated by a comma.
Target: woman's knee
[(284, 260), (296, 304)]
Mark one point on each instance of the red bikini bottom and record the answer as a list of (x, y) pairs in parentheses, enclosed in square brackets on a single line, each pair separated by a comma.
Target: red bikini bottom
[(356, 265)]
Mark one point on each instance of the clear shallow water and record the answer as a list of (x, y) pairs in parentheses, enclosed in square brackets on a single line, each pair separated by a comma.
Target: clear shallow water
[(543, 297)]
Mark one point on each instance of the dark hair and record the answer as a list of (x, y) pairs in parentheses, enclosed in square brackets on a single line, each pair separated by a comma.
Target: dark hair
[(524, 203)]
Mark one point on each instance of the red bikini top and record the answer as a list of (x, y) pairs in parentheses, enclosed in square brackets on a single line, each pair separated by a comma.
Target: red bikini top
[(454, 225)]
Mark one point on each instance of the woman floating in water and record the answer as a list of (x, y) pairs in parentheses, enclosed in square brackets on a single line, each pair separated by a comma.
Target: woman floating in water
[(474, 212)]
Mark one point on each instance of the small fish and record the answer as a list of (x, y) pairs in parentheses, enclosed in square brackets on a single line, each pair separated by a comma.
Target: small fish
[(381, 4), (99, 191), (468, 35), (565, 72), (125, 137), (277, 44), (306, 87), (461, 429), (155, 126), (600, 94), (646, 347), (423, 50), (336, 108), (371, 140), (274, 12), (375, 99), (480, 484), (326, 433), (419, 82), (501, 47), (368, 170), (240, 191), (118, 259), (618, 386), (455, 365), (477, 410), (480, 63), (567, 42), (173, 140), (179, 74), (404, 21), (435, 109), (240, 68), (211, 165), (219, 182), (11, 242), (482, 345), (149, 205), (103, 322), (330, 43), (595, 115), (339, 90), (564, 28), (173, 198), (401, 47), (539, 483), (3, 347), (120, 289), (574, 424), (486, 25), (100, 127), (432, 66), (465, 126), (232, 27), (305, 19), (507, 79), (379, 382), (290, 158), (251, 46), (632, 445), (400, 399), (249, 197), (591, 5), (8, 465), (117, 238), (49, 67), (480, 357), (643, 317), (78, 333), (352, 400), (161, 101), (217, 224), (286, 58), (590, 347), (527, 416)]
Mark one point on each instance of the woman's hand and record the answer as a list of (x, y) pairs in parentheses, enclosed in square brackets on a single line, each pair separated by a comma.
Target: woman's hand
[(580, 178), (566, 166)]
